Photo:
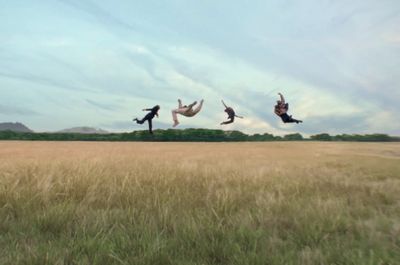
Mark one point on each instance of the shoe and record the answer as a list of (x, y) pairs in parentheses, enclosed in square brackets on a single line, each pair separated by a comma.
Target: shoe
[(175, 124)]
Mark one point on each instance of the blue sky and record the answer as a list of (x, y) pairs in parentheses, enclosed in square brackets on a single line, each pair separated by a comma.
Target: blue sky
[(67, 63)]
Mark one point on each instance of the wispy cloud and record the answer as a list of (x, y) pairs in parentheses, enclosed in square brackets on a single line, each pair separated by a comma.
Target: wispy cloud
[(336, 62), (44, 81), (103, 16), (129, 125), (13, 110), (102, 105)]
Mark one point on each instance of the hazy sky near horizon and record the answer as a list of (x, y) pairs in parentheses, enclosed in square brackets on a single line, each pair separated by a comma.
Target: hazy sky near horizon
[(67, 63)]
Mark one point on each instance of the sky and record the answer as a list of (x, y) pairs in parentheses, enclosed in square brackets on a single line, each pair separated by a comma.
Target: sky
[(68, 63)]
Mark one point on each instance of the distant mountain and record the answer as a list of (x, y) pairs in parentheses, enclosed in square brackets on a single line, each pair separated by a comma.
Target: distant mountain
[(15, 127), (84, 130)]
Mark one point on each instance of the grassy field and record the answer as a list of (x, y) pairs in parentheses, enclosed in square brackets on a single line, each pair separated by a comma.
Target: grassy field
[(199, 203)]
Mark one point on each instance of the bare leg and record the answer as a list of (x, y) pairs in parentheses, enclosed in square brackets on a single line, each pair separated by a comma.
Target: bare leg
[(175, 117)]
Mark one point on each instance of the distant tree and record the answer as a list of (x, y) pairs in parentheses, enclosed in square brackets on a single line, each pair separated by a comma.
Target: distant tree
[(377, 137), (364, 138), (321, 137), (293, 137), (206, 135), (236, 136)]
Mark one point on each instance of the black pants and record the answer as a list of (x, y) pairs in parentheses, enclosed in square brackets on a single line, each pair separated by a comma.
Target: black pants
[(230, 120), (288, 119), (149, 119)]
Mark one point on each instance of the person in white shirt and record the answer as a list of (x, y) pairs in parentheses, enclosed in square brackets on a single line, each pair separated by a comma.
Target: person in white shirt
[(186, 110)]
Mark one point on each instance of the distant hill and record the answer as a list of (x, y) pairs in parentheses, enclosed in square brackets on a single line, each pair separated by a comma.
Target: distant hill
[(84, 130), (15, 127)]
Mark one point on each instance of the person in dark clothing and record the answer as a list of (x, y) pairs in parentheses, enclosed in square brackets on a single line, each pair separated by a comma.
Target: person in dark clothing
[(281, 109), (231, 114), (149, 117)]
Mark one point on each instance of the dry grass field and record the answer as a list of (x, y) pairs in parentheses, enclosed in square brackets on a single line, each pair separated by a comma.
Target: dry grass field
[(199, 203)]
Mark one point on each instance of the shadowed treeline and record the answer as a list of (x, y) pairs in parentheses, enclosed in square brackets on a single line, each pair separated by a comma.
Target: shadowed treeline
[(192, 135)]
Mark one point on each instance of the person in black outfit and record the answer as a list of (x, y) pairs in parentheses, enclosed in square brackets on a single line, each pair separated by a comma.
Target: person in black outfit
[(231, 114), (281, 109), (149, 117)]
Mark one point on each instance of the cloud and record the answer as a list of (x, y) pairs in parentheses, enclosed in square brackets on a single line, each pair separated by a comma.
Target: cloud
[(104, 106), (44, 81), (13, 110), (103, 16), (383, 121), (129, 125), (336, 62), (335, 124)]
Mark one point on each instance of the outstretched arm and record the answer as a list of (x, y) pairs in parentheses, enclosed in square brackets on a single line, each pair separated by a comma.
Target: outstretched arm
[(224, 104), (282, 98), (191, 105), (146, 109), (241, 117)]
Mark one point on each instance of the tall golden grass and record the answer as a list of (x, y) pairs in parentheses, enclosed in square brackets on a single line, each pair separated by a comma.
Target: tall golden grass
[(199, 203)]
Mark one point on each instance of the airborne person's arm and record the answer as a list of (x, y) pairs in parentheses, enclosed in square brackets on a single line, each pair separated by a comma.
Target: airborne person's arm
[(282, 98), (191, 105), (224, 104)]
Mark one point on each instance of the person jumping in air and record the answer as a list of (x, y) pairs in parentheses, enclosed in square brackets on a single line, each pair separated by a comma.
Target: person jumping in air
[(231, 114), (149, 117), (281, 109), (185, 110)]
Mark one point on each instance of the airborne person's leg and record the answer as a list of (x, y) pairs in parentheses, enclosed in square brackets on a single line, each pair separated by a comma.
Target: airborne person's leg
[(175, 117), (288, 119), (230, 120), (140, 121), (150, 126)]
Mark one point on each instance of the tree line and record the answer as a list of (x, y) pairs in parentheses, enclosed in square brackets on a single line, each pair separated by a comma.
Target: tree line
[(192, 135)]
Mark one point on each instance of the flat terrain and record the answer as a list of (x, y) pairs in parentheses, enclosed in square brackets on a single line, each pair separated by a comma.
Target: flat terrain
[(199, 203)]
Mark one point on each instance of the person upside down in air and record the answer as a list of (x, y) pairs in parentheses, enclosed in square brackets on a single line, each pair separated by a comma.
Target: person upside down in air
[(281, 109), (186, 110), (149, 117), (231, 114)]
